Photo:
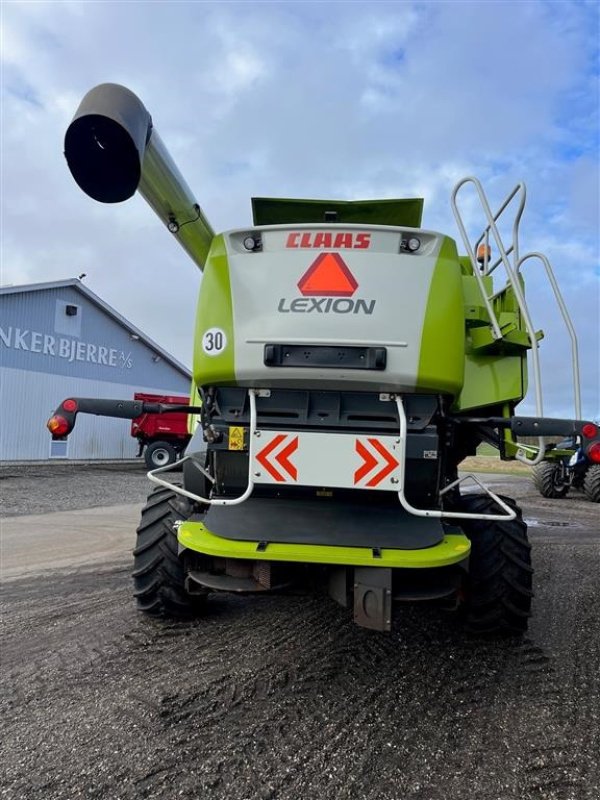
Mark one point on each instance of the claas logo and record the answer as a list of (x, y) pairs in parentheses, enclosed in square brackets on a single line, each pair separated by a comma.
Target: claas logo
[(327, 239)]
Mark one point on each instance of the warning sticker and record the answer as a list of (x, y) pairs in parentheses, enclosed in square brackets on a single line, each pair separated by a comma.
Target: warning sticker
[(236, 438), (328, 276)]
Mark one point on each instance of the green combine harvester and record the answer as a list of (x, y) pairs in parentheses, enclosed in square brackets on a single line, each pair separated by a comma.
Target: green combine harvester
[(346, 362)]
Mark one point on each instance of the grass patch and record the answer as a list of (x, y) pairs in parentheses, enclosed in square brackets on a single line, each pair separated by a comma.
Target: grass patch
[(492, 463)]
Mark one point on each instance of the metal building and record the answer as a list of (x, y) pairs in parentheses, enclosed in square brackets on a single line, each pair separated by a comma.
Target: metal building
[(59, 340)]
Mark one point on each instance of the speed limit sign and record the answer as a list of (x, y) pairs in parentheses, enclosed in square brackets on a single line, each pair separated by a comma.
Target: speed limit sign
[(214, 341)]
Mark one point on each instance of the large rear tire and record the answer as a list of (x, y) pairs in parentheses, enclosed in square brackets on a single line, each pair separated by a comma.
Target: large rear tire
[(499, 585), (159, 574), (591, 483), (549, 481)]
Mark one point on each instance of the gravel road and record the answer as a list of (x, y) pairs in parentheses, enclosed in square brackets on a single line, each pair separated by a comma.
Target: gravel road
[(283, 697)]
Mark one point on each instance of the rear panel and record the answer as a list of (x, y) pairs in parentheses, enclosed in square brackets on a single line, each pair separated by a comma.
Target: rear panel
[(306, 290)]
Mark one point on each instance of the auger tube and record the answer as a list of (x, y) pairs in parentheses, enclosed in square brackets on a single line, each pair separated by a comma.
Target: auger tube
[(112, 150)]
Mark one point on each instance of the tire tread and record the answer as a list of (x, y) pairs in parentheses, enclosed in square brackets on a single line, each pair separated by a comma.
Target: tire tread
[(499, 587), (591, 483), (158, 570)]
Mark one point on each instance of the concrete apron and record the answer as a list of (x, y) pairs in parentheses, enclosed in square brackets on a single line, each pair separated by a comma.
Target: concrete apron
[(36, 543)]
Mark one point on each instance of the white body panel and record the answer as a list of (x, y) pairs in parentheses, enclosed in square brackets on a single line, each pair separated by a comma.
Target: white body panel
[(386, 309)]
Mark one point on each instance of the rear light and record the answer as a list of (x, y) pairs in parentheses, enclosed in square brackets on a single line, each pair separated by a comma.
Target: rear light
[(58, 426), (593, 452), (70, 405), (589, 430)]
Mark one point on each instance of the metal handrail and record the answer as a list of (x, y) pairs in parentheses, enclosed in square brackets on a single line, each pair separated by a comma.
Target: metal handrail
[(403, 433), (496, 332), (515, 233), (513, 280), (431, 512), (216, 501), (568, 324)]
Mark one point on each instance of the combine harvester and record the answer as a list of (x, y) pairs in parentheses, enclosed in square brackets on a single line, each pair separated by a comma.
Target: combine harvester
[(346, 361)]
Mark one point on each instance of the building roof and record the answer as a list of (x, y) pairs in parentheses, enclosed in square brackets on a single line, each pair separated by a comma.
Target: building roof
[(76, 284)]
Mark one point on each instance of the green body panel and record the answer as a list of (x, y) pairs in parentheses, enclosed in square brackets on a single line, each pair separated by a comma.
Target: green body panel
[(195, 400), (453, 549), (278, 211), (495, 370), (476, 313), (215, 310), (491, 380), (441, 360)]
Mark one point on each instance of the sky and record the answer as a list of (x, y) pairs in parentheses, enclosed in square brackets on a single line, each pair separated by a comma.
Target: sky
[(348, 100)]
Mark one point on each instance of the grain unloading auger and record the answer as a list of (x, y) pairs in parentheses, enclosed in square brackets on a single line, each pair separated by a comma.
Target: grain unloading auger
[(346, 361)]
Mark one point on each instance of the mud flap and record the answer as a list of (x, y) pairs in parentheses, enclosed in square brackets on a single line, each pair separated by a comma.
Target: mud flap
[(373, 598)]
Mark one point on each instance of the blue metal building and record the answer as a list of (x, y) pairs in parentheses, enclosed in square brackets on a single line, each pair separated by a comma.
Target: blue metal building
[(59, 340)]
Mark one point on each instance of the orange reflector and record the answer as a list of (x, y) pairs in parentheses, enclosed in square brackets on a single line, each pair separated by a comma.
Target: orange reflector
[(484, 252), (328, 276)]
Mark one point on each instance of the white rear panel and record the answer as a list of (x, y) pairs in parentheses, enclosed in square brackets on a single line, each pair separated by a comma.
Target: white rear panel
[(380, 302)]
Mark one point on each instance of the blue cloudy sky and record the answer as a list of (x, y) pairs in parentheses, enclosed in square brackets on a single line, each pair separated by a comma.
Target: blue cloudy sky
[(309, 99)]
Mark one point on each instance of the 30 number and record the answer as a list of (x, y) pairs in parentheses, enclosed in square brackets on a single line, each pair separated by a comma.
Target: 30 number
[(214, 341)]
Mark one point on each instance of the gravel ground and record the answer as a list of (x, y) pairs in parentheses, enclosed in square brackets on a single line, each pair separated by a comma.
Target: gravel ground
[(283, 698), (60, 486)]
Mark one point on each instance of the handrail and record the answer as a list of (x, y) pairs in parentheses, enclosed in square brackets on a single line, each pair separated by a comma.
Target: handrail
[(496, 332), (432, 512), (513, 279), (567, 320), (216, 501), (515, 233), (403, 434)]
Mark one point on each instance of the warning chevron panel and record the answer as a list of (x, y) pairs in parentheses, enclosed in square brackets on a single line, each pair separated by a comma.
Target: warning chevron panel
[(277, 454), (375, 456), (326, 459)]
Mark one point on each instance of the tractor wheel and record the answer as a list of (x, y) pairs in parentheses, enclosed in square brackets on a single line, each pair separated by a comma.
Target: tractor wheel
[(591, 483), (499, 585), (160, 454), (158, 574), (548, 480)]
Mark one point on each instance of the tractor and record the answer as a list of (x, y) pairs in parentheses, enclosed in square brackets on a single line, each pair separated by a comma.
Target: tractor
[(567, 465)]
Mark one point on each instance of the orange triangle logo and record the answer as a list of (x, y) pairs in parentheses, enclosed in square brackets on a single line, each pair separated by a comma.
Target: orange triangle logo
[(328, 276)]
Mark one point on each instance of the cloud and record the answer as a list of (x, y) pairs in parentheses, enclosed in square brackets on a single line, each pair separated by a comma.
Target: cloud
[(306, 99)]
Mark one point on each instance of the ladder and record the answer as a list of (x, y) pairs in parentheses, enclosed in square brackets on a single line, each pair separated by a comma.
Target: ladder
[(509, 257)]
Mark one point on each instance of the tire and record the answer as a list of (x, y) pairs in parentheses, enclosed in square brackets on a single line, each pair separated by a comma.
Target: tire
[(547, 479), (499, 585), (158, 570), (591, 483), (160, 454)]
